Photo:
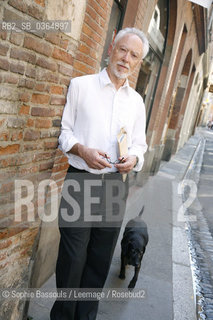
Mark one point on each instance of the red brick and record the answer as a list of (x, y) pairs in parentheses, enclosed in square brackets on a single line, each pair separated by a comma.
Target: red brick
[(5, 244), (93, 25), (59, 178), (13, 161), (44, 156), (3, 35), (31, 135), (61, 159), (30, 72), (46, 166), (57, 100), (11, 78), (37, 45), (76, 73), (83, 68), (3, 49), (20, 5), (59, 167), (43, 123), (24, 97), (17, 68), (40, 2), (30, 170), (4, 136), (30, 147), (67, 71), (51, 145), (35, 12), (7, 187), (13, 148), (16, 230), (66, 80), (30, 122), (24, 109), (49, 76), (2, 122), (89, 42), (15, 122), (40, 87), (88, 51), (17, 136), (56, 90), (42, 112), (86, 59), (40, 98), (44, 63), (20, 54), (98, 8), (26, 83), (103, 4), (4, 233), (62, 55), (52, 37), (91, 33), (16, 38), (64, 43), (4, 64)]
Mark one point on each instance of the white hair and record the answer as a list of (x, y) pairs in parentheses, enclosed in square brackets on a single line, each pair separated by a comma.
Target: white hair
[(137, 32)]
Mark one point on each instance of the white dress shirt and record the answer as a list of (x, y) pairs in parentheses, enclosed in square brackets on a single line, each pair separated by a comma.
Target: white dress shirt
[(93, 116)]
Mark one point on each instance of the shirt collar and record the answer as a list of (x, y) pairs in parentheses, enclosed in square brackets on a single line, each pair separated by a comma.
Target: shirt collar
[(105, 79)]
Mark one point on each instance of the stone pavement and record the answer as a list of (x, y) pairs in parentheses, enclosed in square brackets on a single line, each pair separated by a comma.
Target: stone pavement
[(165, 275)]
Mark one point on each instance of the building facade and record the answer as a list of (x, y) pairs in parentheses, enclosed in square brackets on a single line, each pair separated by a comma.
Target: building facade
[(35, 71)]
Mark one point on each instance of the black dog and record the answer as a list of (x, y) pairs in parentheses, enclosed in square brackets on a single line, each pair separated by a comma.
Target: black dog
[(133, 246)]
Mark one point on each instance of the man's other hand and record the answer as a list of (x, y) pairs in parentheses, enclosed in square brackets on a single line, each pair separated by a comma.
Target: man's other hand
[(94, 158), (127, 164)]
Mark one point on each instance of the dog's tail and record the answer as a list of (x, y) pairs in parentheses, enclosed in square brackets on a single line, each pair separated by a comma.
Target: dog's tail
[(140, 214)]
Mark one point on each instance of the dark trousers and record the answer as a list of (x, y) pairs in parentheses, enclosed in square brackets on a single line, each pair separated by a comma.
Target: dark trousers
[(86, 249)]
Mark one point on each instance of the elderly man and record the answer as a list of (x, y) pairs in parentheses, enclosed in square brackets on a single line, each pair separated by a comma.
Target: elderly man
[(97, 107)]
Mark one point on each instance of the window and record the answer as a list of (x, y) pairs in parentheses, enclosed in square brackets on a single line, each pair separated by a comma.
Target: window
[(150, 69), (115, 24)]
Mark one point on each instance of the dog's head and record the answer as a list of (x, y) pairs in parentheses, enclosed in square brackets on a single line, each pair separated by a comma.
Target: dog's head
[(134, 253)]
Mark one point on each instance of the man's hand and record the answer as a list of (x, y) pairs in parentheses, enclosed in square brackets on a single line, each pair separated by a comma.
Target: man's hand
[(94, 158), (127, 164)]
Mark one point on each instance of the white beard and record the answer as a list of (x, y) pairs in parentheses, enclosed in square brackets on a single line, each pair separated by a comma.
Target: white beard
[(118, 74)]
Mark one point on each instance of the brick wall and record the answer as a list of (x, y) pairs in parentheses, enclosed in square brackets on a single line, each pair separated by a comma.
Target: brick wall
[(35, 70), (93, 36)]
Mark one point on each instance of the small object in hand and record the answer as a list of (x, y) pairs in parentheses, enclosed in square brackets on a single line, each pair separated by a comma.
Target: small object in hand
[(133, 246), (113, 162)]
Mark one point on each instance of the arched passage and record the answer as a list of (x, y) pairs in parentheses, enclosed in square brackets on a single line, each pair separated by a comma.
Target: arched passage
[(177, 104), (156, 115), (183, 108)]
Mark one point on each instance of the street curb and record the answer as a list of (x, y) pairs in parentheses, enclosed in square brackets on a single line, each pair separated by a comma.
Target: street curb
[(193, 174), (197, 247)]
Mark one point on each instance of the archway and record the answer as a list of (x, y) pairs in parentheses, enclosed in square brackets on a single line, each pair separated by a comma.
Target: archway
[(177, 108)]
